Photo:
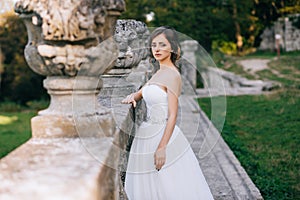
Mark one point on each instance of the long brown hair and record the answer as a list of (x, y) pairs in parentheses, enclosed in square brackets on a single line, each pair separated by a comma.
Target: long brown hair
[(172, 38)]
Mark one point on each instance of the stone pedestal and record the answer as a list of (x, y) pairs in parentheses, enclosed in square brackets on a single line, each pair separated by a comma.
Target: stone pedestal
[(73, 107), (189, 70), (72, 44)]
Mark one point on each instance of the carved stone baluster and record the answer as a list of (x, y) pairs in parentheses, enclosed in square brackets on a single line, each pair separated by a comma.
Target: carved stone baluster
[(71, 43)]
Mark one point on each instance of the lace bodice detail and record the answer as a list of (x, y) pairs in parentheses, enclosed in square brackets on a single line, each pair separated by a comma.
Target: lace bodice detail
[(156, 102)]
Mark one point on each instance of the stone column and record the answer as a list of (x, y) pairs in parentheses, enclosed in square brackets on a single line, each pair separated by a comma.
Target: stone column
[(71, 43), (131, 37), (126, 76), (288, 33), (189, 71)]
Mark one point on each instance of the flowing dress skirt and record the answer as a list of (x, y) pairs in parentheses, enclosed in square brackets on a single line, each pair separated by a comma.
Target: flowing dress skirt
[(181, 178)]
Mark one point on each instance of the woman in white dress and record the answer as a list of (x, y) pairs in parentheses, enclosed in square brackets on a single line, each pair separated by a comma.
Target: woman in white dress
[(161, 164)]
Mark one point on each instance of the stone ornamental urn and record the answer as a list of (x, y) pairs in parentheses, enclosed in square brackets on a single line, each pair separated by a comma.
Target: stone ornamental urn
[(71, 43)]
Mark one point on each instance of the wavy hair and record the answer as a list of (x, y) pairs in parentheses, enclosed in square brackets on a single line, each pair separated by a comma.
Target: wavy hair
[(172, 38)]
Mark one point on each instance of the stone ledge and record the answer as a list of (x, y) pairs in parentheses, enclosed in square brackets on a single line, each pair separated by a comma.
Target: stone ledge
[(50, 168), (57, 168)]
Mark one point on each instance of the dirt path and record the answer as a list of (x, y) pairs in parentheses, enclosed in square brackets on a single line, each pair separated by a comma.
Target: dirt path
[(252, 66)]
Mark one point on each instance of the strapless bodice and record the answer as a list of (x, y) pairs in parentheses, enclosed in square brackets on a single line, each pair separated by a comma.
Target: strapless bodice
[(156, 102)]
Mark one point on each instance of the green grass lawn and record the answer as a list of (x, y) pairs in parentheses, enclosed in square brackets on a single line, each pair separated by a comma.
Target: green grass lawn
[(15, 124), (264, 131), (14, 130)]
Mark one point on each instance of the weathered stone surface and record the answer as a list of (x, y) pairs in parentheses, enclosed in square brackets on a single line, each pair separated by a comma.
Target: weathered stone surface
[(289, 34), (58, 168), (65, 36), (72, 20), (75, 141), (50, 167), (132, 38), (268, 39), (189, 66), (70, 42), (115, 88), (221, 82)]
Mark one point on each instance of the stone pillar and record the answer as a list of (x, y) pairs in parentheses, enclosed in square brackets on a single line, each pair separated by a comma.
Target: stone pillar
[(189, 71), (288, 32), (131, 37), (126, 76), (71, 43)]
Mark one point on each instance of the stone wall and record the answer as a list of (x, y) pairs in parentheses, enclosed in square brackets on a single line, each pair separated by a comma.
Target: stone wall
[(289, 39)]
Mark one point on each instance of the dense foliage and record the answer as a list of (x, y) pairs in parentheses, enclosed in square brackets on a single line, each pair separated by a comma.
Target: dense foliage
[(218, 25), (18, 82), (219, 21)]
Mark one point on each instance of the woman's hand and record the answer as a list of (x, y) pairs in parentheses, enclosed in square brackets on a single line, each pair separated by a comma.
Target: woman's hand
[(130, 99), (160, 157)]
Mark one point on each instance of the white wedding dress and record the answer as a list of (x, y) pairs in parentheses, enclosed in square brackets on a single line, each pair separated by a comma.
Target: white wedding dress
[(181, 177)]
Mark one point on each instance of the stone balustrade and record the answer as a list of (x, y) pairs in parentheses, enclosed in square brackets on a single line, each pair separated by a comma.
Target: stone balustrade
[(232, 84), (81, 141), (75, 149)]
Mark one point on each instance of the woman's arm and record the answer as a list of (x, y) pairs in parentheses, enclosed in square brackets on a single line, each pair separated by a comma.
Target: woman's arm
[(133, 97), (160, 154)]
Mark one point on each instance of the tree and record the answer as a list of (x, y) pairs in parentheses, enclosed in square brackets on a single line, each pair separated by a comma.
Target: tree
[(290, 7), (19, 83), (205, 21), (189, 17), (240, 22)]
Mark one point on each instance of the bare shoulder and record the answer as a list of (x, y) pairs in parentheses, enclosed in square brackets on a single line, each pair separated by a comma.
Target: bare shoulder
[(173, 71)]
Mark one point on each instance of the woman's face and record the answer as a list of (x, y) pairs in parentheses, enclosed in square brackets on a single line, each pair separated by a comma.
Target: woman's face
[(161, 48)]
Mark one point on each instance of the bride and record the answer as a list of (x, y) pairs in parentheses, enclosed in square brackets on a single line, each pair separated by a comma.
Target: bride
[(161, 164)]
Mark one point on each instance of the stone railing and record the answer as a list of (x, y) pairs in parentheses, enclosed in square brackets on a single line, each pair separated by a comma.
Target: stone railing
[(196, 60), (77, 142), (216, 81), (81, 141), (232, 84)]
